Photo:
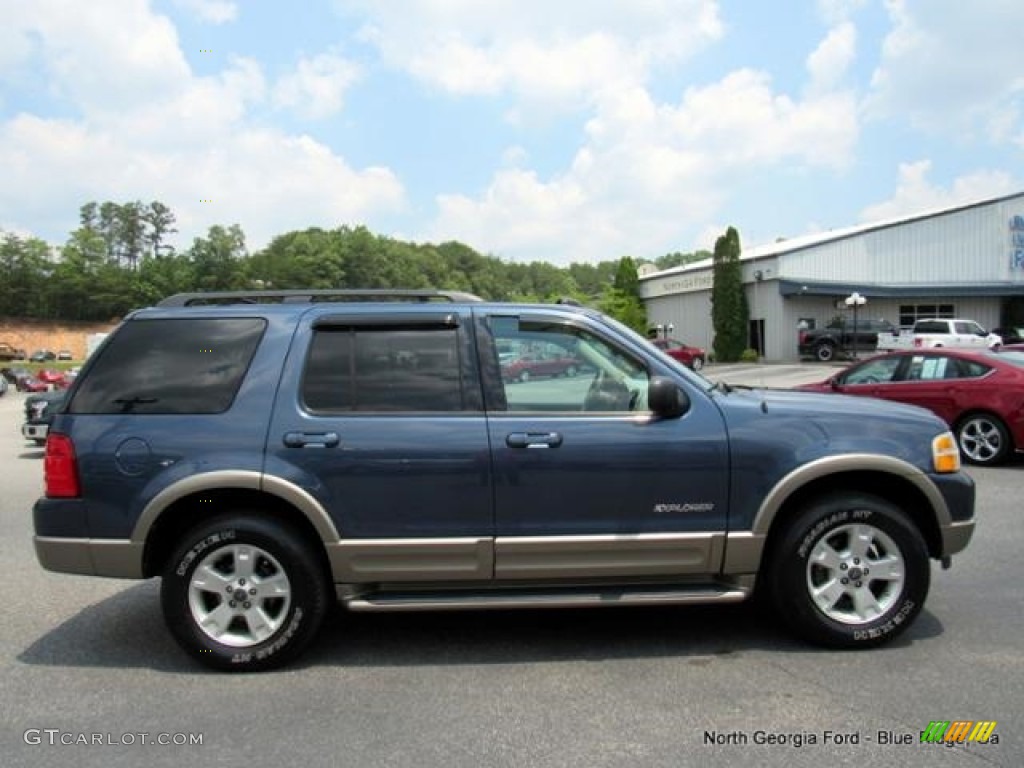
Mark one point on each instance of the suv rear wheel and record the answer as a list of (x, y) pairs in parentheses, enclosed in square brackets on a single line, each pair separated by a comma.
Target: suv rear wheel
[(850, 571), (244, 593)]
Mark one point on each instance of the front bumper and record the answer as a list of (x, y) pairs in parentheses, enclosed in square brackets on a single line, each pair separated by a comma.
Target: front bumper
[(958, 492)]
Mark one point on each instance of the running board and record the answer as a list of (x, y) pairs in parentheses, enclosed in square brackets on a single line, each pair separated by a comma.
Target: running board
[(547, 598)]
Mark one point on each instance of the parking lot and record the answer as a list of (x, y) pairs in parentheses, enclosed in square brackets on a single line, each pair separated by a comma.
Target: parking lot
[(89, 676)]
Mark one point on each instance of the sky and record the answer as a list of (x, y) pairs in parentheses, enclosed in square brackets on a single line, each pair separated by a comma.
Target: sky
[(553, 130)]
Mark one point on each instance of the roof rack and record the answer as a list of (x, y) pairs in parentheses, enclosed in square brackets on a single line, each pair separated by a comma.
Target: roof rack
[(303, 296)]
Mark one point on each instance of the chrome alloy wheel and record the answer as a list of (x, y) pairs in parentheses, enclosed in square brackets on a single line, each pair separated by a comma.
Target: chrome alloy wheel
[(855, 573), (239, 595), (981, 440)]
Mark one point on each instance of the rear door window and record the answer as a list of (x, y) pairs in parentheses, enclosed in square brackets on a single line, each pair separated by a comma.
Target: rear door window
[(367, 369)]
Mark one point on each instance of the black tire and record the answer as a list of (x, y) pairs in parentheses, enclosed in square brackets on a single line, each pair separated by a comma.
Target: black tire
[(278, 561), (983, 439), (570, 372), (524, 376), (825, 353), (698, 363), (860, 538)]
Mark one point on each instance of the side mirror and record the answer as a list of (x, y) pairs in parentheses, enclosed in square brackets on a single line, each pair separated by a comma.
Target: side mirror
[(834, 382), (666, 399)]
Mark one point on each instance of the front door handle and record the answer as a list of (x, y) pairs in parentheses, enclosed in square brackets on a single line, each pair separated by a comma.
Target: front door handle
[(534, 440), (311, 439)]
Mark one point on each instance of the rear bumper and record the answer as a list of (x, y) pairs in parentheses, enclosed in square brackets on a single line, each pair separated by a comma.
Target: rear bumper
[(117, 558)]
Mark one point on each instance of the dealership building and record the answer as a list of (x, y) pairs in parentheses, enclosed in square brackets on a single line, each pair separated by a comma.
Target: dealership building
[(964, 261)]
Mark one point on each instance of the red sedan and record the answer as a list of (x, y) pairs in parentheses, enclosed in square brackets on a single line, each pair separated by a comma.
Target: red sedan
[(531, 366), (692, 357), (979, 394)]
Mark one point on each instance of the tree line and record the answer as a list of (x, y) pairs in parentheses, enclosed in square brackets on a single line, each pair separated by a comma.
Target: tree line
[(120, 258)]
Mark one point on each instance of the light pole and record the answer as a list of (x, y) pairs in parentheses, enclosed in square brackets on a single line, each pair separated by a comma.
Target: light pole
[(856, 301)]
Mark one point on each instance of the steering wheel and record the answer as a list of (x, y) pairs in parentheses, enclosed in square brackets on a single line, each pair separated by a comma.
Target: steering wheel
[(608, 394)]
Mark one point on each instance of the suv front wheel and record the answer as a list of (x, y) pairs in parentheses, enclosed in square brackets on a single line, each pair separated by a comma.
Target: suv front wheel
[(244, 593), (850, 571)]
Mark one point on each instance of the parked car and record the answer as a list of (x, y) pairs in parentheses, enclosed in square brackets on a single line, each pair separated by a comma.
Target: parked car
[(42, 356), (980, 394), (54, 377), (14, 375), (8, 352), (64, 354), (39, 411), (692, 357), (1010, 334), (839, 338), (526, 367), (940, 332), (32, 384), (268, 452)]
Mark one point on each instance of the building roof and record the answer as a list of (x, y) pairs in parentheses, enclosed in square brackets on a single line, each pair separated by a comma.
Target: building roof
[(789, 245)]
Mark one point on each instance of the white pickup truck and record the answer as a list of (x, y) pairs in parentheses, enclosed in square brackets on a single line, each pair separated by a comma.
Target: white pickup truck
[(949, 332)]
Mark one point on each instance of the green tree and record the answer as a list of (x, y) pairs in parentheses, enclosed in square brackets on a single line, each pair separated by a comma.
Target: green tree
[(622, 299), (730, 314), (160, 221), (25, 269)]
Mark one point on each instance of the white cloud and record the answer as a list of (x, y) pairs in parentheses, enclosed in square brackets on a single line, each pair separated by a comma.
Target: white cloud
[(145, 127), (97, 65), (647, 172), (316, 89), (953, 67), (210, 11), (536, 49), (915, 193), (829, 62)]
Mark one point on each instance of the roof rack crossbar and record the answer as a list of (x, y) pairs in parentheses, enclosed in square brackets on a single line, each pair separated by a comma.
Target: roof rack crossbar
[(306, 296)]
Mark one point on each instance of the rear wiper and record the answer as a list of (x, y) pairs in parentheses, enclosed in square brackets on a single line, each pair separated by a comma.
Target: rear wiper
[(128, 403)]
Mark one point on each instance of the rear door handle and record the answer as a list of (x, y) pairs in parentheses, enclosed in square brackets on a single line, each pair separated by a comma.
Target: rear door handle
[(311, 439), (534, 440)]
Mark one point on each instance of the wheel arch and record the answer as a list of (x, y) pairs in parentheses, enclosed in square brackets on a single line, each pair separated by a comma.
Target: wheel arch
[(885, 477), (201, 497)]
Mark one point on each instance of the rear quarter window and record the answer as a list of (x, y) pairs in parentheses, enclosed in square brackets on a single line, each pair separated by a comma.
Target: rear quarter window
[(179, 366)]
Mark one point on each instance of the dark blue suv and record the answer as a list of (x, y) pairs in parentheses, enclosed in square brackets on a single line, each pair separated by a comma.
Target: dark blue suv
[(261, 451)]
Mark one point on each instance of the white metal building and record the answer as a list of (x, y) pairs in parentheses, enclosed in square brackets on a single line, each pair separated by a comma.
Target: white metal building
[(966, 261)]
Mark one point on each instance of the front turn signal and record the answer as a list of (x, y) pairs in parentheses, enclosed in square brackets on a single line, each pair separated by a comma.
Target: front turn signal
[(945, 454)]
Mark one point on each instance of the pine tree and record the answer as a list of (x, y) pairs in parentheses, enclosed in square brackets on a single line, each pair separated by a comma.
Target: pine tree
[(730, 314)]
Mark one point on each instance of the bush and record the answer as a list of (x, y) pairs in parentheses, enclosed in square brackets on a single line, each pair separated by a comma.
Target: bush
[(748, 356)]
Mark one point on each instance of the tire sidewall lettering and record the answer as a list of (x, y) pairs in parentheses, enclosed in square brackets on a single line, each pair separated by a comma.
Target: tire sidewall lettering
[(220, 537), (891, 625)]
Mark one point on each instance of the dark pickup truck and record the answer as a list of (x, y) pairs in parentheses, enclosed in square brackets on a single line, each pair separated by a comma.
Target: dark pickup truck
[(825, 344)]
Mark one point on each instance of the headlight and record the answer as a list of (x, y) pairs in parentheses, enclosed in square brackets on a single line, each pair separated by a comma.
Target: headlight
[(945, 453)]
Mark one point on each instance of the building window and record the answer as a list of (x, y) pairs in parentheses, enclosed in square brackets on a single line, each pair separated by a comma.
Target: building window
[(911, 313)]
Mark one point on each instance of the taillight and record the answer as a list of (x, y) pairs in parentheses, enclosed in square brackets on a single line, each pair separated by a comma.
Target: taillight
[(803, 338), (60, 468)]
